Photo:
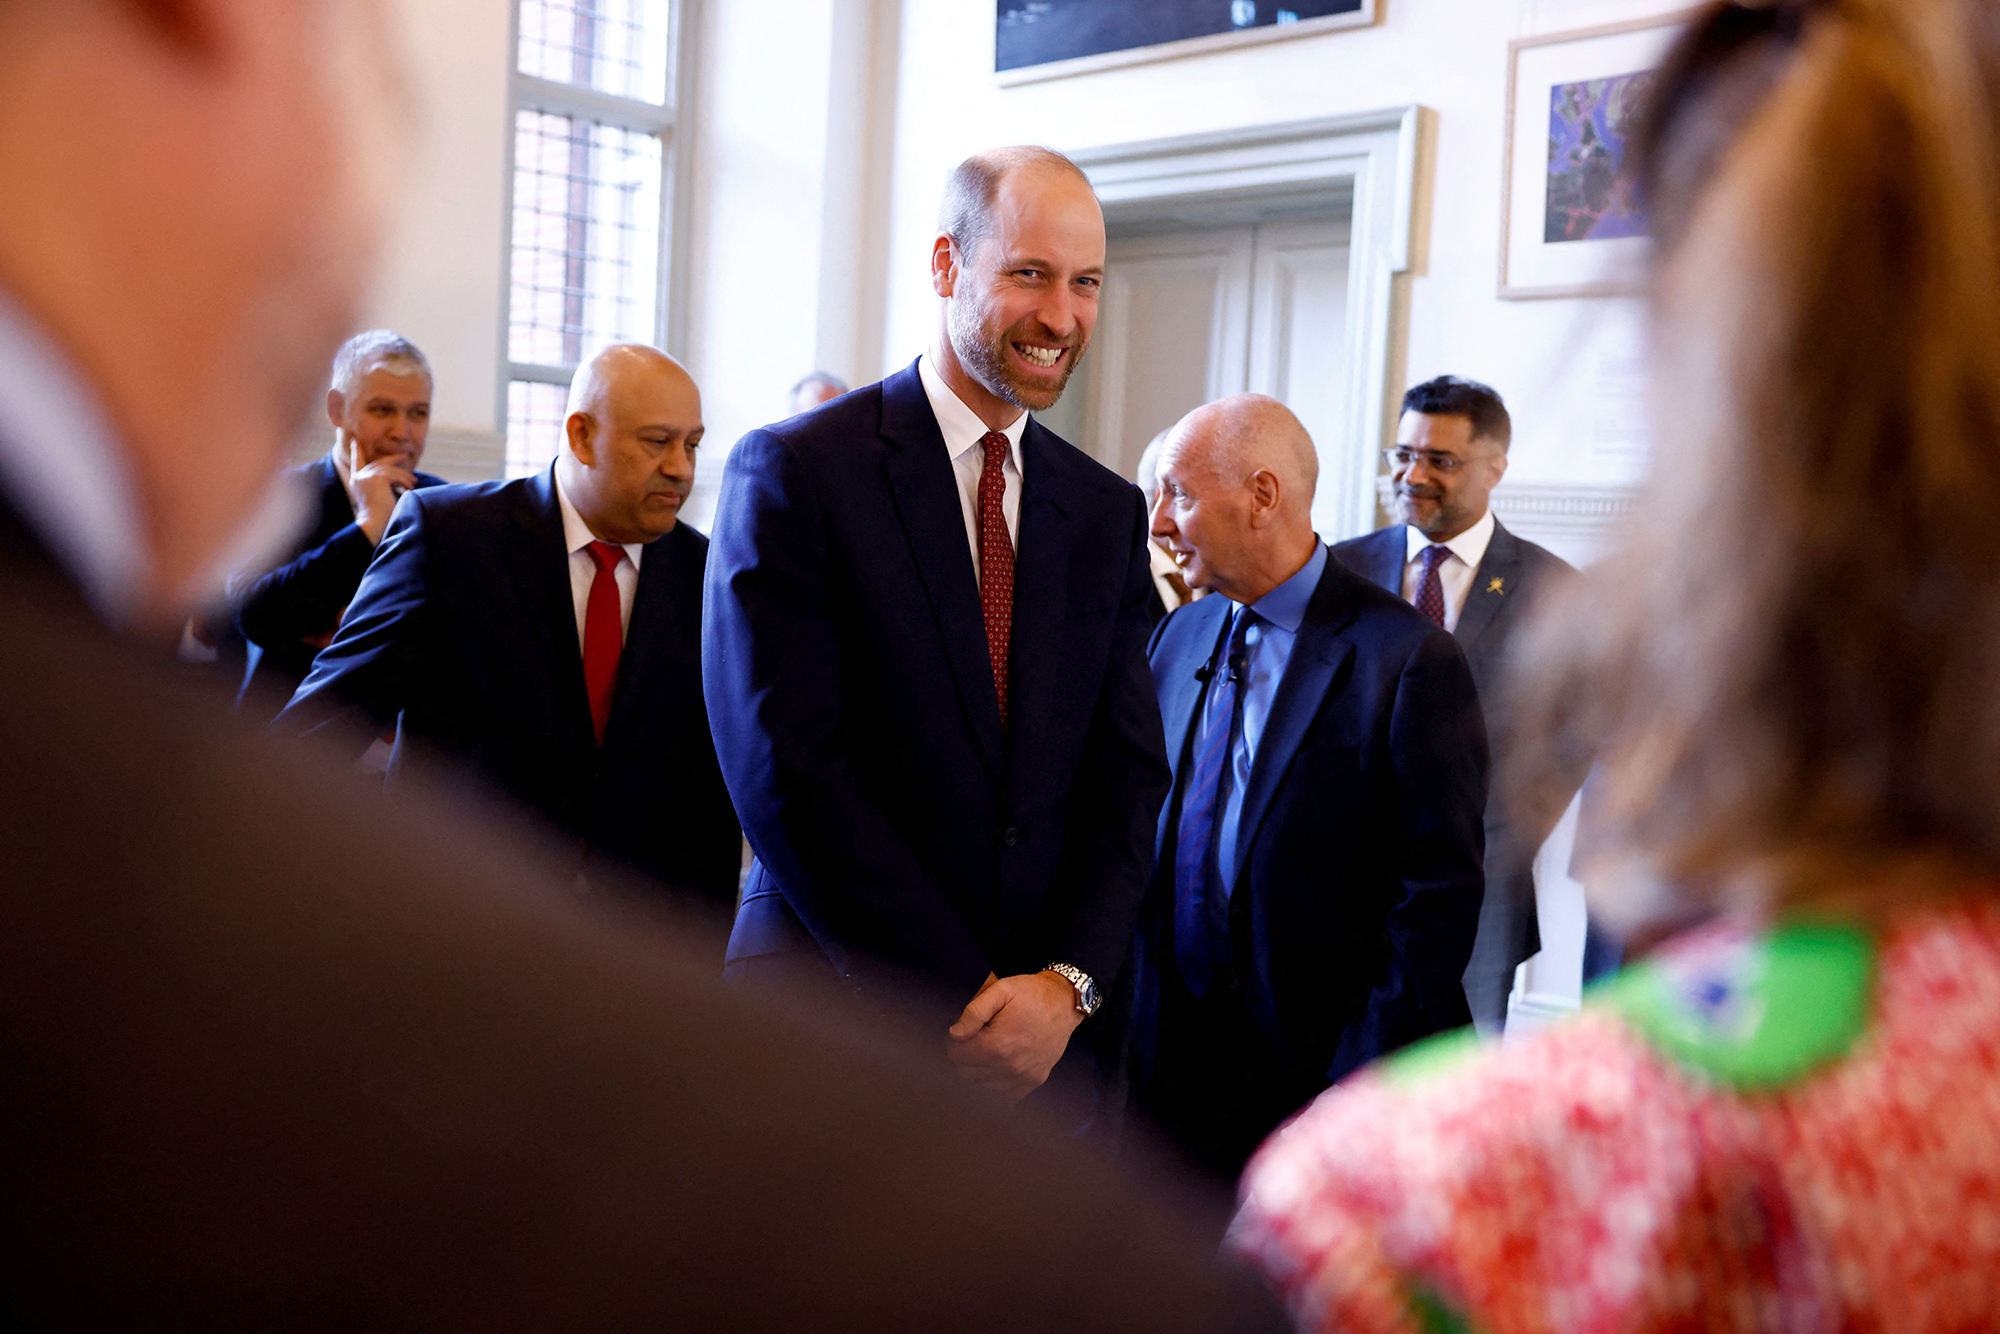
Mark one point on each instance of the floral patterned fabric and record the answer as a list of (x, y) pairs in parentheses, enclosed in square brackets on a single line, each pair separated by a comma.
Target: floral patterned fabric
[(1605, 1176)]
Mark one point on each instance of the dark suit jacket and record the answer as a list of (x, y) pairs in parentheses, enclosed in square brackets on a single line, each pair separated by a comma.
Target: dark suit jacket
[(303, 598), (1511, 576), (284, 1052), (463, 634), (1357, 893), (898, 827)]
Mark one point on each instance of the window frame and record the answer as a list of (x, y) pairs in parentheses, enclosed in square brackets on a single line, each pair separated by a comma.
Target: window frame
[(668, 121)]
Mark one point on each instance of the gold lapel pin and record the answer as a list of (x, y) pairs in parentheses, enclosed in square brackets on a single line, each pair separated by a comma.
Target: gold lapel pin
[(1497, 586)]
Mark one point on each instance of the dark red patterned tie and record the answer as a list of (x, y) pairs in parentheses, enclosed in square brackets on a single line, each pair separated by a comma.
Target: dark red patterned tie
[(996, 562), (603, 633), (1430, 587)]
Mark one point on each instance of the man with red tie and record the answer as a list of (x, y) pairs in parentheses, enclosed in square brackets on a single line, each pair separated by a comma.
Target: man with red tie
[(925, 660), (543, 635)]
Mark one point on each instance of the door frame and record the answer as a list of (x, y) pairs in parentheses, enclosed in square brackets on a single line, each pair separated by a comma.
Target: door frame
[(1370, 156)]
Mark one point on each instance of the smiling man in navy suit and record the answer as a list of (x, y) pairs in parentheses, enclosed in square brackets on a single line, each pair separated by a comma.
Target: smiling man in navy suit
[(1457, 563), (925, 658), (1319, 866), (544, 636)]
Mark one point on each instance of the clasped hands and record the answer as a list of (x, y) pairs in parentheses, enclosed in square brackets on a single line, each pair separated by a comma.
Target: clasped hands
[(1014, 1032)]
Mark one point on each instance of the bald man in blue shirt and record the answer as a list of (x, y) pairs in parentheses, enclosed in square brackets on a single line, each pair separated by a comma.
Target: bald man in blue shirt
[(1319, 870)]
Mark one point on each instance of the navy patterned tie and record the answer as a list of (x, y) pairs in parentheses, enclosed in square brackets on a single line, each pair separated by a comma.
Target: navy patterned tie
[(1430, 588), (1194, 847)]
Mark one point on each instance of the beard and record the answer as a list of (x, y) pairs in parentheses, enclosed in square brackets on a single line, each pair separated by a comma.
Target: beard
[(983, 352)]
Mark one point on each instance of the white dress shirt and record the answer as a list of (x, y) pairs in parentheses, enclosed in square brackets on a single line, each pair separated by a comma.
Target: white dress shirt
[(1455, 571), (62, 470), (583, 569), (962, 433)]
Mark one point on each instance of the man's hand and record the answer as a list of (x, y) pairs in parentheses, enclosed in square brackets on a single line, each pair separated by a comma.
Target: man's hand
[(1014, 1032), (374, 489)]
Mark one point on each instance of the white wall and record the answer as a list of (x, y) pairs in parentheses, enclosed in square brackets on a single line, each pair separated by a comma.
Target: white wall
[(821, 134), (1562, 365), (441, 283)]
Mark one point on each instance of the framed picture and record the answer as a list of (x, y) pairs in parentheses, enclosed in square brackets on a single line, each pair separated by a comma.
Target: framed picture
[(1571, 222), (1049, 39)]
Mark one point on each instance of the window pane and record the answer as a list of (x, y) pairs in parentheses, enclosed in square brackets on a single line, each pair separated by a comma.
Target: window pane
[(534, 425), (586, 262), (614, 46)]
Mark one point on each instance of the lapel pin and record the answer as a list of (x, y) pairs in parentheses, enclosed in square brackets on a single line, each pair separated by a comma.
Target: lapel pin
[(1497, 586)]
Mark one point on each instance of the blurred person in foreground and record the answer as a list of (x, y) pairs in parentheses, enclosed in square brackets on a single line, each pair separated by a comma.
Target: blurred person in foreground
[(815, 388), (544, 635), (1452, 559), (281, 1052), (380, 407), (1788, 1116), (1319, 864)]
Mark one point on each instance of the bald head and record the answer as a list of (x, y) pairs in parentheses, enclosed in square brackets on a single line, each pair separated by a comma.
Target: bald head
[(1247, 433), (1235, 502), (629, 443)]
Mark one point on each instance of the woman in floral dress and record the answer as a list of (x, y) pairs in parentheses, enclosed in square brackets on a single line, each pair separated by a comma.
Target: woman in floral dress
[(1788, 1117)]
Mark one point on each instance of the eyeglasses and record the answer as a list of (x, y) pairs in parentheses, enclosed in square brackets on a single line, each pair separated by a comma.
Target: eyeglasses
[(1399, 459)]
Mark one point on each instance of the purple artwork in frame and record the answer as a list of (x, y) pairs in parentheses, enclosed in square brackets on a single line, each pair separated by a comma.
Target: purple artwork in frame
[(1590, 196)]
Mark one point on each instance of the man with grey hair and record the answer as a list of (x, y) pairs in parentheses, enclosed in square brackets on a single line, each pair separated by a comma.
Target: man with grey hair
[(925, 660), (380, 406), (1318, 876), (543, 635), (815, 388)]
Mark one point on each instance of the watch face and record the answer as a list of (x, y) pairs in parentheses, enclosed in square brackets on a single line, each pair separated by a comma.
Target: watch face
[(1086, 996)]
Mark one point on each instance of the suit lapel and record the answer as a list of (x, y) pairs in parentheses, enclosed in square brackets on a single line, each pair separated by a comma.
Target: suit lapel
[(1492, 584), (926, 495), (538, 562), (1317, 657), (1041, 583), (1388, 555)]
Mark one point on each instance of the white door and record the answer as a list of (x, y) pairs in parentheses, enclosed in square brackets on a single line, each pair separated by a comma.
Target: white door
[(1171, 335), (1197, 315), (1298, 333)]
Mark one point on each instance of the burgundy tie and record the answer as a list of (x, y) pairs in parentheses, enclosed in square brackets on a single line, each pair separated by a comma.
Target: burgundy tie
[(603, 633), (1430, 588), (996, 562)]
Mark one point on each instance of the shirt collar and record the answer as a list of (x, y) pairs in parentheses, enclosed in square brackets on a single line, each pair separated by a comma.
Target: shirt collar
[(577, 534), (1469, 546), (1285, 606), (959, 424), (61, 465)]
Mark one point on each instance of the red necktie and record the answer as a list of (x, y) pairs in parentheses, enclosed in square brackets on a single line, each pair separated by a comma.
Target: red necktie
[(603, 633), (996, 562), (1430, 586)]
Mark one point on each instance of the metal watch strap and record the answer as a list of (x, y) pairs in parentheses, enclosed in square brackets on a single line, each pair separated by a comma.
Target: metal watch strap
[(1082, 981)]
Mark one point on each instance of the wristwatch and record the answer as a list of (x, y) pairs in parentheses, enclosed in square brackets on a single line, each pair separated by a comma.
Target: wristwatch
[(1088, 997)]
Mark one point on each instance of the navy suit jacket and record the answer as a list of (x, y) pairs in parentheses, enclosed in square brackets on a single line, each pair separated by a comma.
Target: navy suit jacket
[(1511, 576), (1357, 892), (900, 830), (279, 611), (463, 634)]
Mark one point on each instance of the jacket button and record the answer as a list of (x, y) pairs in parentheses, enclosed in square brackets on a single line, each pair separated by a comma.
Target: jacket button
[(1011, 837)]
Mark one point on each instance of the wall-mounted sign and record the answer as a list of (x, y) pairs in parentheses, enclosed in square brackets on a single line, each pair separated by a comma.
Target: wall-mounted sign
[(1046, 39)]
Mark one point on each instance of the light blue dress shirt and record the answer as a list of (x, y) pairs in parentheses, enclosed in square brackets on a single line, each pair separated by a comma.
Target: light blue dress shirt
[(1267, 649)]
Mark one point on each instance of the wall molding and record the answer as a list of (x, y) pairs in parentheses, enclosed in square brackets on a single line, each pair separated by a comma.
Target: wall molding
[(1586, 511)]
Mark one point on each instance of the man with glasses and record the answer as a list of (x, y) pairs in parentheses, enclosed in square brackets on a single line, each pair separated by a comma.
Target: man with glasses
[(1454, 561)]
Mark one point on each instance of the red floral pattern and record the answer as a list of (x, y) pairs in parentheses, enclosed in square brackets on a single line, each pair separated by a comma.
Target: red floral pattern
[(1580, 1182)]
